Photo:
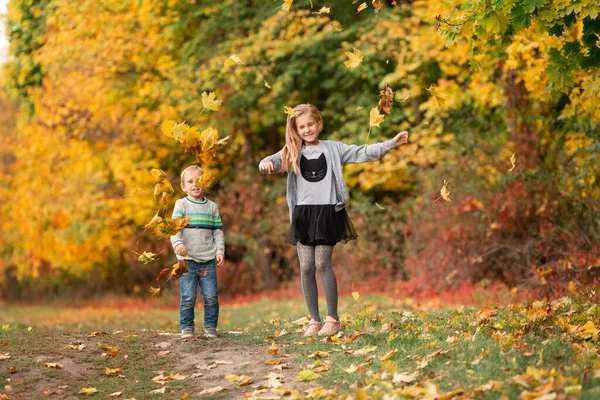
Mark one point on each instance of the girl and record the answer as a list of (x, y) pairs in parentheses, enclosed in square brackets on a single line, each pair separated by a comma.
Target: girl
[(317, 196)]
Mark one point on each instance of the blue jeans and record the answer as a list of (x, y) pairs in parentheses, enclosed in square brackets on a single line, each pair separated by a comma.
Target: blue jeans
[(188, 284)]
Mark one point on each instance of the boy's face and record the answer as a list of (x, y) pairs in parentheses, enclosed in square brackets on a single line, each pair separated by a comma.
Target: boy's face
[(187, 185)]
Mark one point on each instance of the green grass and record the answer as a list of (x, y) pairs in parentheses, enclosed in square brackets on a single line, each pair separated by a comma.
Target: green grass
[(505, 352)]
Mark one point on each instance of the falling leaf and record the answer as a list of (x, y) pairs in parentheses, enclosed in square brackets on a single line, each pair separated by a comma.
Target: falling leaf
[(356, 296), (307, 375), (178, 269), (147, 257), (287, 5), (380, 207), (444, 192), (433, 91), (359, 108), (210, 102), (387, 99), (513, 160), (377, 5), (159, 174), (323, 10), (267, 85), (375, 118), (88, 391), (354, 58), (233, 59), (362, 7), (289, 110), (204, 181)]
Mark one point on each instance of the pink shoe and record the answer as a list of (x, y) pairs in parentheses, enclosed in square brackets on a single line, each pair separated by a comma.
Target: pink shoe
[(330, 327), (313, 328)]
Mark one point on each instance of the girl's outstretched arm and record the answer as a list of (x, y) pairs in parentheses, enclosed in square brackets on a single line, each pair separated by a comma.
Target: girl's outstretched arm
[(401, 138)]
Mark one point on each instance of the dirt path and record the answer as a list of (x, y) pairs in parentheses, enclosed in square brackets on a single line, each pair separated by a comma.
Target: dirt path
[(51, 364)]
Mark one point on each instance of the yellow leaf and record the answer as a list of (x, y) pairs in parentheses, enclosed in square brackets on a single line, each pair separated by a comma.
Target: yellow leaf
[(356, 296), (88, 391), (205, 181), (388, 355), (210, 102), (513, 160), (147, 257), (433, 91), (572, 287), (54, 365), (232, 60), (232, 377), (375, 118), (307, 375), (444, 192), (267, 85), (590, 329), (289, 110), (158, 174), (323, 10), (380, 207), (155, 291), (212, 390), (111, 371), (354, 58), (362, 7)]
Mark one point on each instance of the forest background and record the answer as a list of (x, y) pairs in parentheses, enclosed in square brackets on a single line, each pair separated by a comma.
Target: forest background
[(89, 84)]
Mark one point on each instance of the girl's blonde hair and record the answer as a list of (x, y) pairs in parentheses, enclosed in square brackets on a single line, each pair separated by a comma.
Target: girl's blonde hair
[(190, 169), (290, 154)]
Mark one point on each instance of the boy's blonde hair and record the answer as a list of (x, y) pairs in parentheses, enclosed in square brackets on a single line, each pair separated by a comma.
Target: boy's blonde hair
[(290, 154), (189, 169)]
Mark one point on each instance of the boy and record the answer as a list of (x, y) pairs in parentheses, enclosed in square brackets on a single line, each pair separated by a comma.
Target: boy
[(200, 243)]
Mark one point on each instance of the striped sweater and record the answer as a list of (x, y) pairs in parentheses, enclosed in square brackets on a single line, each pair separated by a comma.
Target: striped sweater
[(203, 237)]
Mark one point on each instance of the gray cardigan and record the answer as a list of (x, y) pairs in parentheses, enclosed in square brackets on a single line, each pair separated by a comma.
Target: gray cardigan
[(341, 154)]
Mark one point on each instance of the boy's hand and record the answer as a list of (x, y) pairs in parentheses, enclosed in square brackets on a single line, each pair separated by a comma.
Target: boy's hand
[(401, 138), (266, 167), (220, 260), (180, 250)]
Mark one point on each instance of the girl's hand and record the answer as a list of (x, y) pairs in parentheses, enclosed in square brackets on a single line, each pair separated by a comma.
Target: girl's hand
[(266, 167), (180, 249), (220, 260), (401, 138)]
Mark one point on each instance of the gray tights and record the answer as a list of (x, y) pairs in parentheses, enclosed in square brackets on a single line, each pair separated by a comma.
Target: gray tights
[(313, 259)]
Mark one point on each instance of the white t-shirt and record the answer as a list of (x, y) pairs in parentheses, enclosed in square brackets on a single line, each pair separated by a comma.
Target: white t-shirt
[(315, 182)]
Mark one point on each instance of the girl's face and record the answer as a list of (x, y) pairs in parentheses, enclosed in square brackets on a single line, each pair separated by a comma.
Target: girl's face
[(189, 180), (308, 128)]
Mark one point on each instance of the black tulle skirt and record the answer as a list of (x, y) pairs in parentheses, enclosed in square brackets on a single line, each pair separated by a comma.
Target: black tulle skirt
[(317, 225)]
